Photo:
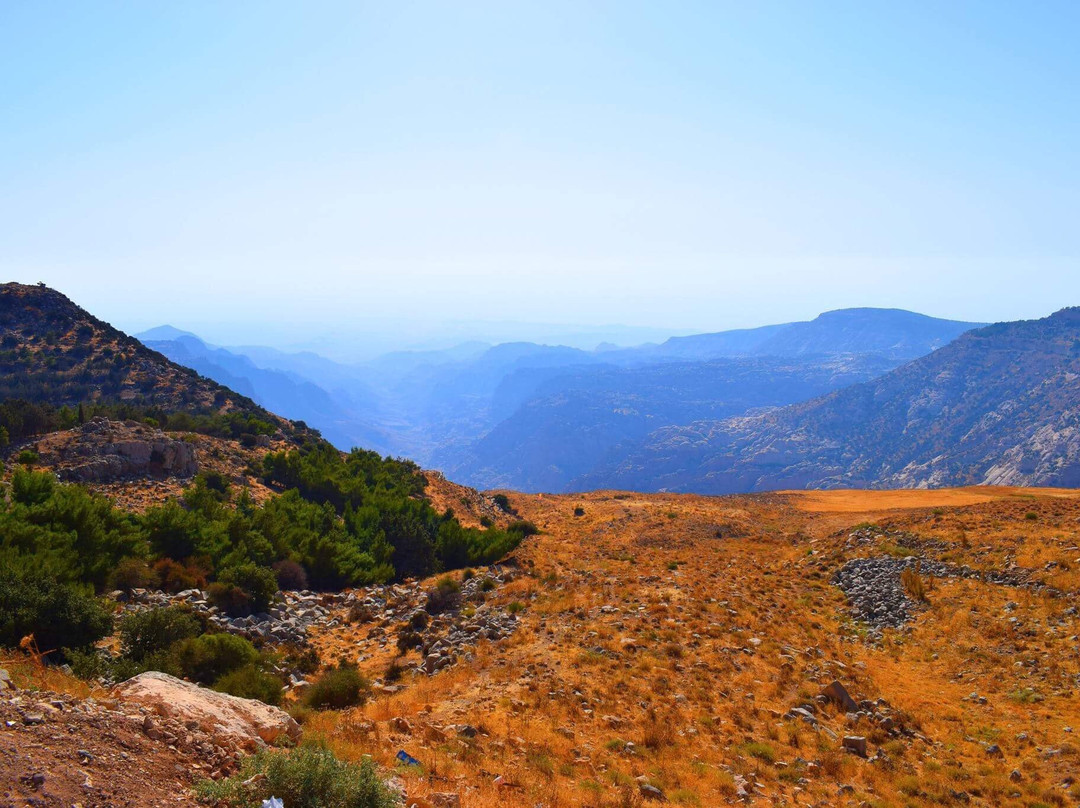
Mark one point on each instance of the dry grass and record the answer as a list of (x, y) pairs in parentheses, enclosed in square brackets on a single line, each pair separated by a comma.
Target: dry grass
[(650, 647)]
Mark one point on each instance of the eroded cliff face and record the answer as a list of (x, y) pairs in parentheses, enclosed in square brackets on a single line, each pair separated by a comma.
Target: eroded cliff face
[(102, 451)]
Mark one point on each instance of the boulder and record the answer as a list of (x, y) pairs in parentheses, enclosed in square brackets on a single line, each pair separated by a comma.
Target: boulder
[(838, 695), (856, 744), (232, 721)]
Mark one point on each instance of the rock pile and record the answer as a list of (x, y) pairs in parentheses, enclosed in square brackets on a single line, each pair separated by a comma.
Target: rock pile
[(877, 596), (285, 623)]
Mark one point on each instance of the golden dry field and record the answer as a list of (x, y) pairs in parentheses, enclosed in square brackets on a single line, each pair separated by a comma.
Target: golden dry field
[(664, 639)]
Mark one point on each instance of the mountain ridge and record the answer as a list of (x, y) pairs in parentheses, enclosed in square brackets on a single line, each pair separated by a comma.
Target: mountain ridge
[(999, 405)]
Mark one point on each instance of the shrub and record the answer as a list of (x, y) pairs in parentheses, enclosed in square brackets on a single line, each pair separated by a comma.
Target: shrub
[(487, 585), (147, 632), (913, 584), (249, 682), (515, 607), (305, 777), (337, 689), (28, 457), (176, 577), (230, 598), (579, 511), (209, 657), (258, 583), (502, 502), (444, 596), (290, 575), (59, 615), (408, 638), (523, 528), (133, 573)]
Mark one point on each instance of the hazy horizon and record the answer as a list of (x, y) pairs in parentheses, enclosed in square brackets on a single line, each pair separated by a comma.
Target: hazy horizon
[(365, 168)]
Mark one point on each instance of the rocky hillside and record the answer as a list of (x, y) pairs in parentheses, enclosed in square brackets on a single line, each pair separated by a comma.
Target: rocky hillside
[(1000, 405), (820, 648), (54, 352), (582, 419)]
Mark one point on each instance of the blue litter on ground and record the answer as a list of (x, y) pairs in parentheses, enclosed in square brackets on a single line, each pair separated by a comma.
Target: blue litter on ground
[(407, 759)]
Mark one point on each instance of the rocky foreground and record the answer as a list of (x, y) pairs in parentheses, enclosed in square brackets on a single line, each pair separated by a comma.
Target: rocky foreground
[(816, 648)]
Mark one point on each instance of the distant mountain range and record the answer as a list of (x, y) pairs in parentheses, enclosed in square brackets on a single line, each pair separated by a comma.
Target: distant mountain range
[(854, 398), (538, 417), (998, 406)]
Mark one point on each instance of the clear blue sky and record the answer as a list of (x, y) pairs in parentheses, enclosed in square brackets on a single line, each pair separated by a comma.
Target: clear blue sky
[(686, 165)]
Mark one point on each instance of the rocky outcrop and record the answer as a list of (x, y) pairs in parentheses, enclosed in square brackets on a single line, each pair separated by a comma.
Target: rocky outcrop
[(102, 451), (231, 721)]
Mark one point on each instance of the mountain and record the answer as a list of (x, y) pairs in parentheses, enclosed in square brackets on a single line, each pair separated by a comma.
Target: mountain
[(536, 417), (1000, 405), (285, 393), (895, 333), (53, 352), (578, 420), (163, 332)]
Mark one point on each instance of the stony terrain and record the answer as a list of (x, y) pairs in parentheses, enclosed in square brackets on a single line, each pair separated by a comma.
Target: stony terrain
[(698, 651), (694, 651), (59, 749)]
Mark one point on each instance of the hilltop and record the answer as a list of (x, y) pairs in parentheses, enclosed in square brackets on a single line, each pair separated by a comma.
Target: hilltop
[(55, 354), (999, 405)]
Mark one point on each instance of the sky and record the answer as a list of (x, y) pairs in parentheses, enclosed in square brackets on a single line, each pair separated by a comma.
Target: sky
[(277, 172)]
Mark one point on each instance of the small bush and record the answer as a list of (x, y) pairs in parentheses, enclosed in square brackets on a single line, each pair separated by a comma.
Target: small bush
[(337, 689), (419, 620), (444, 596), (148, 632), (515, 607), (172, 576), (487, 585), (249, 682), (259, 584), (394, 672), (133, 573), (913, 584), (209, 657), (502, 502), (290, 575), (305, 777), (408, 638), (59, 615), (761, 751), (361, 613), (28, 457), (230, 598), (579, 511), (523, 528)]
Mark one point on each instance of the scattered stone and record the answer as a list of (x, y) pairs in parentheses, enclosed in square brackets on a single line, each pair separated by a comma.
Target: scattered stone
[(856, 744)]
